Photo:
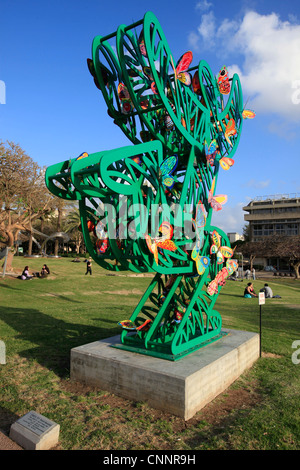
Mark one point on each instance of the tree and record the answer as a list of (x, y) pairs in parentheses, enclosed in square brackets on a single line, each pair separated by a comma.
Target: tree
[(23, 195), (253, 249), (287, 247), (246, 232), (72, 226)]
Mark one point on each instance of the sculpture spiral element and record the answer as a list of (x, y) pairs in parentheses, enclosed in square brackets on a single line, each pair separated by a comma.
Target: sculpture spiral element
[(148, 207)]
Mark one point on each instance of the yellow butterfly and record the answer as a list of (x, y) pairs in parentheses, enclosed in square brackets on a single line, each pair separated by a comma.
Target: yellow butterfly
[(221, 252)]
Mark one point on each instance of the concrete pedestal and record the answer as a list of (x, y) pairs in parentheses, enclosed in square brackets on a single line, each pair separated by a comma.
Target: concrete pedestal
[(182, 387)]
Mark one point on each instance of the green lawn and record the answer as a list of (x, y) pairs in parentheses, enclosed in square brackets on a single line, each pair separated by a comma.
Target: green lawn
[(41, 320)]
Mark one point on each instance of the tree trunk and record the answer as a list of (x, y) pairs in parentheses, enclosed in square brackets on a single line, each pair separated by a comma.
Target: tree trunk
[(296, 267), (9, 261), (30, 244), (56, 246), (251, 259)]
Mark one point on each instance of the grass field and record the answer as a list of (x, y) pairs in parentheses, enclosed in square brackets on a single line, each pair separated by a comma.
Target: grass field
[(41, 320)]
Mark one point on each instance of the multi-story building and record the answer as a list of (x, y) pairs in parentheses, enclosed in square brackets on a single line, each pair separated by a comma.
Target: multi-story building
[(234, 237), (273, 215)]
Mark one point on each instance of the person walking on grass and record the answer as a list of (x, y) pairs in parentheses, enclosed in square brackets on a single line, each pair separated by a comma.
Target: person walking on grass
[(89, 266)]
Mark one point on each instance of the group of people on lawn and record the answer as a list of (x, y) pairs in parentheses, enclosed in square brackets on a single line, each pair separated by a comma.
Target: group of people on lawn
[(248, 292), (25, 276)]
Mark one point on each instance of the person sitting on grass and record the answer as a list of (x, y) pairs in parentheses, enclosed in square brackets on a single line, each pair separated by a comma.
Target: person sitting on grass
[(25, 276), (249, 291), (269, 293), (45, 271)]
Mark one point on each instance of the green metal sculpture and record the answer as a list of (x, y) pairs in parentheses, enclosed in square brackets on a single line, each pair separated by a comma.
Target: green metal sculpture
[(148, 207)]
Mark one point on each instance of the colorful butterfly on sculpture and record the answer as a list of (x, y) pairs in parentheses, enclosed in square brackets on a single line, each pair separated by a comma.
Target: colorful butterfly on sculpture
[(182, 66), (202, 262), (125, 100), (222, 275), (248, 114), (148, 73), (230, 130), (131, 326), (102, 238), (216, 202), (226, 162), (141, 43), (223, 81), (166, 169), (221, 252), (82, 155), (196, 83), (127, 325), (102, 245), (164, 241), (211, 153), (105, 73)]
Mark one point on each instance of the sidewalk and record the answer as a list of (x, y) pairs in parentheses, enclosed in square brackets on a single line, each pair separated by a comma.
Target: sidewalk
[(8, 444)]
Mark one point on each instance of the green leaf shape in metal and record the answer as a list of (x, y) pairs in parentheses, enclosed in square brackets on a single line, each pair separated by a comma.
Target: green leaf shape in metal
[(147, 207)]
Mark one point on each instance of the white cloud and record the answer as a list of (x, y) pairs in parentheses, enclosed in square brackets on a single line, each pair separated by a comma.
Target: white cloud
[(269, 50), (257, 184), (230, 219), (283, 130), (207, 27), (203, 5)]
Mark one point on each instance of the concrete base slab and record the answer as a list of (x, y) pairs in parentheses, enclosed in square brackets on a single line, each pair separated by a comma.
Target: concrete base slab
[(182, 387)]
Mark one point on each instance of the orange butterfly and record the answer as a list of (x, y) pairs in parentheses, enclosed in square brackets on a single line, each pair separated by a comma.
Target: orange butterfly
[(226, 162), (248, 114), (164, 241), (230, 130)]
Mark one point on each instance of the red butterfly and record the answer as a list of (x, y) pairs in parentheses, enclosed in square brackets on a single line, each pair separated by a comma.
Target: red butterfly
[(181, 68), (223, 81)]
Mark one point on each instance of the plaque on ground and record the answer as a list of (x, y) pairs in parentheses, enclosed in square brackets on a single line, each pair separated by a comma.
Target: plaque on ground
[(35, 432)]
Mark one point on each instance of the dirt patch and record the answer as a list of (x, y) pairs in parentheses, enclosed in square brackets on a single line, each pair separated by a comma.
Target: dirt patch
[(49, 294), (213, 414), (270, 355), (124, 292)]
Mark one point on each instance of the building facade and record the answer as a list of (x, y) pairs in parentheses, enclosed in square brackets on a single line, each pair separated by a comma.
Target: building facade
[(273, 215)]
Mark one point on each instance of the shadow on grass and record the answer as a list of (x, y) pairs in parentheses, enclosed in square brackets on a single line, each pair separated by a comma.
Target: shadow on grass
[(7, 418), (51, 338), (8, 287), (227, 294)]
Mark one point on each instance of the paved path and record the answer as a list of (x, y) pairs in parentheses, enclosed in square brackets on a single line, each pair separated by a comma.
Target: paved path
[(8, 444)]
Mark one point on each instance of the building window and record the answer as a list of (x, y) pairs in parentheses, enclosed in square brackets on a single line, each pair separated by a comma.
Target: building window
[(268, 229)]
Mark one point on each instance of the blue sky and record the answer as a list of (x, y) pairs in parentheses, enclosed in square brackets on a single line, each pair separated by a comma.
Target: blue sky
[(53, 110)]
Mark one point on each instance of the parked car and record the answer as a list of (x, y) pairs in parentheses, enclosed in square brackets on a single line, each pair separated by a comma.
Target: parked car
[(270, 269)]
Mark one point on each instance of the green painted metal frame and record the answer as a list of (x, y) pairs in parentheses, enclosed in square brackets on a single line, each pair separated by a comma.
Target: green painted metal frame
[(113, 180)]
